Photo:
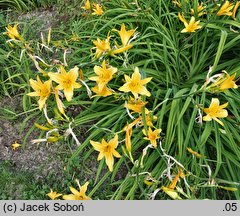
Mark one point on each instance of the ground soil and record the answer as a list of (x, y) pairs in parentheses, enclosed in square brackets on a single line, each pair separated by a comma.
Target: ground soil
[(36, 158)]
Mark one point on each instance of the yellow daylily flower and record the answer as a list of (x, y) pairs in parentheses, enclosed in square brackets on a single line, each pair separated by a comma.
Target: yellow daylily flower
[(101, 46), (235, 10), (125, 35), (120, 50), (13, 33), (135, 84), (174, 182), (136, 121), (60, 105), (200, 10), (228, 82), (149, 119), (87, 5), (226, 9), (67, 81), (53, 194), (177, 2), (104, 92), (152, 136), (78, 195), (128, 138), (97, 9), (192, 26), (104, 75), (15, 146), (136, 105), (223, 83), (75, 38), (128, 129), (215, 111), (42, 89), (107, 150)]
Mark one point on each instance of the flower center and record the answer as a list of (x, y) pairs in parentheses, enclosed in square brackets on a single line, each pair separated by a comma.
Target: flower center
[(134, 84), (44, 92), (67, 83), (107, 149)]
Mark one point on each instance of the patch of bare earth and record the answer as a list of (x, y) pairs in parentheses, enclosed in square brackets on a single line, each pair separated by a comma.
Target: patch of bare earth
[(38, 159)]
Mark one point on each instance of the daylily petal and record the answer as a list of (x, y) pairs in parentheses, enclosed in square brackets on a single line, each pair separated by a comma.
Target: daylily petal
[(100, 156), (214, 103), (84, 188), (114, 141), (42, 102), (124, 88), (223, 105), (68, 94), (96, 145), (146, 80), (217, 120), (74, 191), (207, 118), (70, 197), (222, 114), (116, 154), (32, 94), (109, 161)]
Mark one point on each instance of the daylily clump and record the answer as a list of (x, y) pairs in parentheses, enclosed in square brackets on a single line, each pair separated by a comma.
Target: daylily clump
[(129, 122)]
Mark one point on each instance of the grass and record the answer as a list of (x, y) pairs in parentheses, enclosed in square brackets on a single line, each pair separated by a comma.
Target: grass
[(25, 5), (178, 64), (16, 185)]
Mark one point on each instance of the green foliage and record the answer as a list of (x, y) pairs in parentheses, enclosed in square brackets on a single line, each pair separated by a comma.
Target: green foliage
[(25, 5)]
